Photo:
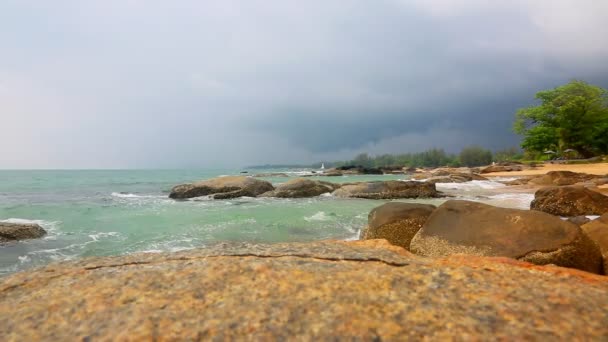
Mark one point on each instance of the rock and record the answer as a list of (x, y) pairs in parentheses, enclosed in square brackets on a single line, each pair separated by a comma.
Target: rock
[(396, 222), (20, 231), (572, 200), (323, 291), (579, 220), (501, 168), (456, 178), (597, 230), (332, 173), (561, 178), (519, 181), (300, 187), (387, 190), (272, 174), (480, 229), (359, 170), (222, 188)]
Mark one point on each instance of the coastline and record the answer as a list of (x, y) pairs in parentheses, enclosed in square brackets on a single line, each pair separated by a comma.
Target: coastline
[(594, 169)]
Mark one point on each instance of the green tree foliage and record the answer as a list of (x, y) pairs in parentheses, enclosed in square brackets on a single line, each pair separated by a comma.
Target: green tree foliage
[(572, 116), (475, 156), (507, 154)]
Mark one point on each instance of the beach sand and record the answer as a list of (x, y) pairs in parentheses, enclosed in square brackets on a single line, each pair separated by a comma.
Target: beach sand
[(595, 169)]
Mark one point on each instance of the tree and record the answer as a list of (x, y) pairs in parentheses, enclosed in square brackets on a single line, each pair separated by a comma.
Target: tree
[(572, 116), (475, 156)]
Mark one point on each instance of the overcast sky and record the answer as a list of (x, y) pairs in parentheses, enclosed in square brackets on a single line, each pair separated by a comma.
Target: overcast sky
[(143, 84)]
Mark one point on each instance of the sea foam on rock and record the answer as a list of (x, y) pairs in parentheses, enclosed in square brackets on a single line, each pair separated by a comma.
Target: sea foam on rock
[(322, 291), (479, 229)]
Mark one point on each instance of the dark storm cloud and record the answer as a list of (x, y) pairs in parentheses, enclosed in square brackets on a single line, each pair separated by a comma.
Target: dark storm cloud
[(214, 83)]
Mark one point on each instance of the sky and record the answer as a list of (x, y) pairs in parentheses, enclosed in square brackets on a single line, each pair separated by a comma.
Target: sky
[(228, 83)]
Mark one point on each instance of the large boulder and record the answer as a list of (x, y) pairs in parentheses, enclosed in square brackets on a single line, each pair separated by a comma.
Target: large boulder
[(301, 187), (222, 188), (20, 231), (388, 190), (480, 229), (323, 291), (561, 178), (396, 222), (597, 230), (572, 200)]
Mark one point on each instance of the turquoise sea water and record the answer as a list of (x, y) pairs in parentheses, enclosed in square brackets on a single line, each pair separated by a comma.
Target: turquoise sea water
[(90, 213)]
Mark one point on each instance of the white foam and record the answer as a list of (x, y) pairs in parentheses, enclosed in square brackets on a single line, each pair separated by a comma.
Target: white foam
[(319, 216), (470, 186), (512, 200), (129, 195)]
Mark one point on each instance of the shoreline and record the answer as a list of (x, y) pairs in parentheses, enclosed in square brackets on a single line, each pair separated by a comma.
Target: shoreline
[(594, 169)]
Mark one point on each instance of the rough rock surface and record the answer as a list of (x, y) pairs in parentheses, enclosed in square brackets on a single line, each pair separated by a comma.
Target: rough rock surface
[(19, 231), (561, 178), (572, 200), (597, 230), (396, 222), (501, 168), (388, 190), (222, 188), (365, 291), (301, 187), (480, 229)]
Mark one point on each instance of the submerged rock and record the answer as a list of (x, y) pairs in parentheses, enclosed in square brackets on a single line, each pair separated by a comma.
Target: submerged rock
[(20, 231), (573, 200), (322, 291), (300, 187), (396, 222), (222, 188), (388, 190), (480, 229)]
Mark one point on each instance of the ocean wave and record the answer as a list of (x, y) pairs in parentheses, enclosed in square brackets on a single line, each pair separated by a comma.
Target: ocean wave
[(51, 227), (470, 186), (130, 195), (318, 216)]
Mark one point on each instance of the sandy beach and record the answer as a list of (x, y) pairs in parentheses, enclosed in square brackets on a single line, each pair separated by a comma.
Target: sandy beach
[(594, 169)]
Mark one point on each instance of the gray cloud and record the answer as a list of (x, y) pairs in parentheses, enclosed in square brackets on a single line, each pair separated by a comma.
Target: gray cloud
[(226, 83)]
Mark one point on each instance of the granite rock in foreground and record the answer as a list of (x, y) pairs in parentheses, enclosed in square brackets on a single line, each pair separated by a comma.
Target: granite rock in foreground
[(319, 291), (20, 231)]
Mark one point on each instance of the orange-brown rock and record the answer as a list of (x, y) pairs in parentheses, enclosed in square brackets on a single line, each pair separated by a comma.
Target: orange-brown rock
[(561, 178), (502, 168), (396, 222), (597, 230), (366, 291), (387, 190), (480, 229), (222, 188), (573, 200)]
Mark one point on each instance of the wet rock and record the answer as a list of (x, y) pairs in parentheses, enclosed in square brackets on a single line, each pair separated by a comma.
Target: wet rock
[(300, 187), (480, 229), (456, 178), (569, 201), (324, 291), (396, 222), (597, 230), (388, 190), (222, 188), (20, 231)]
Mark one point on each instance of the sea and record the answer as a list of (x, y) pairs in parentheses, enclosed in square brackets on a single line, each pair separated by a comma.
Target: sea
[(115, 212)]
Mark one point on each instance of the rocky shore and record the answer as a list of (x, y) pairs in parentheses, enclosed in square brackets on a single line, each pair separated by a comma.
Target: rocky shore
[(456, 269)]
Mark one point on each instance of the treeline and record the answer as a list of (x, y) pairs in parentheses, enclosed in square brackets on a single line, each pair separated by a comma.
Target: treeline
[(469, 156)]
